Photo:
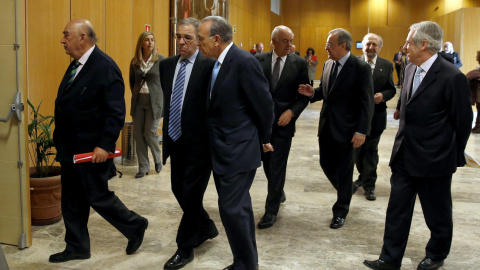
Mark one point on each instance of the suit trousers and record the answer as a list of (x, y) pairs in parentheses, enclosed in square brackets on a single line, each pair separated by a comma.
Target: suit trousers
[(336, 160), (145, 133), (366, 159), (85, 185), (189, 180), (398, 68), (235, 205), (275, 167), (436, 201)]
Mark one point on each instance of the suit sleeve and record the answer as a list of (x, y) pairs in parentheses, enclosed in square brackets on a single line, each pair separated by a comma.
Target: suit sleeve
[(113, 108), (365, 83), (302, 101), (131, 76), (389, 89), (257, 92), (462, 114)]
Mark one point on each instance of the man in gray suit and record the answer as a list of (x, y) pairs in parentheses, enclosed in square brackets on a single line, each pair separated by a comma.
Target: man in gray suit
[(435, 123), (366, 156)]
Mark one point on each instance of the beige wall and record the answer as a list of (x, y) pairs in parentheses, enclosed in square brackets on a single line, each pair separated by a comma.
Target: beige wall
[(12, 133)]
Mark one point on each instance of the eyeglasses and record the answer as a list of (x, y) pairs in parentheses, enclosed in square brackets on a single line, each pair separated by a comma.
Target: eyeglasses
[(186, 38)]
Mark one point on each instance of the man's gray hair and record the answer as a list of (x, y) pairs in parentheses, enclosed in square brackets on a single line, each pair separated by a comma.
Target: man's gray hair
[(430, 32), (343, 37), (190, 21), (379, 38), (277, 29), (221, 27)]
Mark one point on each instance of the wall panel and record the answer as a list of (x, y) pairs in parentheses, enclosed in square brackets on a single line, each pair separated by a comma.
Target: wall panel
[(94, 11), (161, 25)]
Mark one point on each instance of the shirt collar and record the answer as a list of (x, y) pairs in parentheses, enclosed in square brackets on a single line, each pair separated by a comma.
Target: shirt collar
[(86, 55), (344, 59), (190, 59), (428, 64), (274, 57), (224, 53), (374, 60)]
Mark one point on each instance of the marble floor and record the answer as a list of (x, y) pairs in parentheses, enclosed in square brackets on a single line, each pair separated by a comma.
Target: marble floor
[(301, 238)]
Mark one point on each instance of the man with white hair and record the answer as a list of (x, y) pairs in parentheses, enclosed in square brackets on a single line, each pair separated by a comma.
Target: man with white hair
[(366, 156), (448, 48), (435, 123)]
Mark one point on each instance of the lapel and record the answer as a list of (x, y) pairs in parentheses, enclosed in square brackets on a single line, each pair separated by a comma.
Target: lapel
[(326, 76), (288, 69), (267, 66), (430, 77), (63, 84), (169, 73), (193, 80), (378, 70), (88, 65), (224, 70)]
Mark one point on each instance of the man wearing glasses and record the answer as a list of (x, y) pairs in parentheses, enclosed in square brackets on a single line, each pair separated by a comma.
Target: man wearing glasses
[(184, 80)]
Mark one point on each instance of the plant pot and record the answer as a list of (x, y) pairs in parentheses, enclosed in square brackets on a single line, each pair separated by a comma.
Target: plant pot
[(45, 197)]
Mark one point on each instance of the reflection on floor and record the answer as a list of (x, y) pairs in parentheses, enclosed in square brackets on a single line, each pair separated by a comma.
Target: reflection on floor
[(301, 238)]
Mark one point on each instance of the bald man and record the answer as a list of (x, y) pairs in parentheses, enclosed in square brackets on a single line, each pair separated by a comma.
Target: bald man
[(89, 114)]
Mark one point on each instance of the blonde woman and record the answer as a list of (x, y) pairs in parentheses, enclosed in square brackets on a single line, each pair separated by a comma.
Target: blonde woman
[(147, 101)]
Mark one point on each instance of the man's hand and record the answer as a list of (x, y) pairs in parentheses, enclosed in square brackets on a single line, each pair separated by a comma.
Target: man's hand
[(267, 148), (398, 62), (285, 118), (99, 155), (358, 140), (378, 97), (306, 90), (396, 115)]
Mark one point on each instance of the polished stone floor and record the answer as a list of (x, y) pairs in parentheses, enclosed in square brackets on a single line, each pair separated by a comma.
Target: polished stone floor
[(301, 238)]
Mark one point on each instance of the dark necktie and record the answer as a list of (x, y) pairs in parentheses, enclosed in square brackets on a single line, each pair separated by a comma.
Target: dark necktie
[(71, 76), (175, 117), (333, 74), (276, 73), (215, 70)]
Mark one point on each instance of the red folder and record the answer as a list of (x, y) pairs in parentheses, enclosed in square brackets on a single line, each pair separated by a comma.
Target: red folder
[(313, 58), (87, 157)]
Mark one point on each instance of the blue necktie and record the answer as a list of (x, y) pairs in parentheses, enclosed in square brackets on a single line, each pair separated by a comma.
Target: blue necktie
[(175, 117), (215, 70), (416, 80), (71, 77)]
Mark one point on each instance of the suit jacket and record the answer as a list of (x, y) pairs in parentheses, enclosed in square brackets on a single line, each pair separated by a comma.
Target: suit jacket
[(239, 114), (285, 95), (193, 119), (348, 105), (435, 122), (382, 83), (91, 111), (152, 77), (395, 59)]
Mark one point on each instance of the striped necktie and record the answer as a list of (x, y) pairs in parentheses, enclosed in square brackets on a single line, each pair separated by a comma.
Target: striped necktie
[(71, 76), (175, 117), (416, 80), (276, 73)]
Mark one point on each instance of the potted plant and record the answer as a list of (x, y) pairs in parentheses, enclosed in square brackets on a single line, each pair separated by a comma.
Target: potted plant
[(45, 185)]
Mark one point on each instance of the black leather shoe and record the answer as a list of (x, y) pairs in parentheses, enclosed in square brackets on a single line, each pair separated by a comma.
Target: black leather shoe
[(267, 221), (136, 241), (158, 167), (66, 256), (283, 198), (177, 262), (429, 264), (212, 234), (370, 195), (379, 265), (230, 267), (358, 182), (337, 222), (354, 187), (140, 174)]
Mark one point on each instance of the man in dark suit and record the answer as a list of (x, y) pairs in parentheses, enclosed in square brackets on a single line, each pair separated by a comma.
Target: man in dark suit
[(435, 123), (89, 114), (293, 50), (397, 59), (184, 80), (239, 119), (285, 73), (366, 156), (346, 89)]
